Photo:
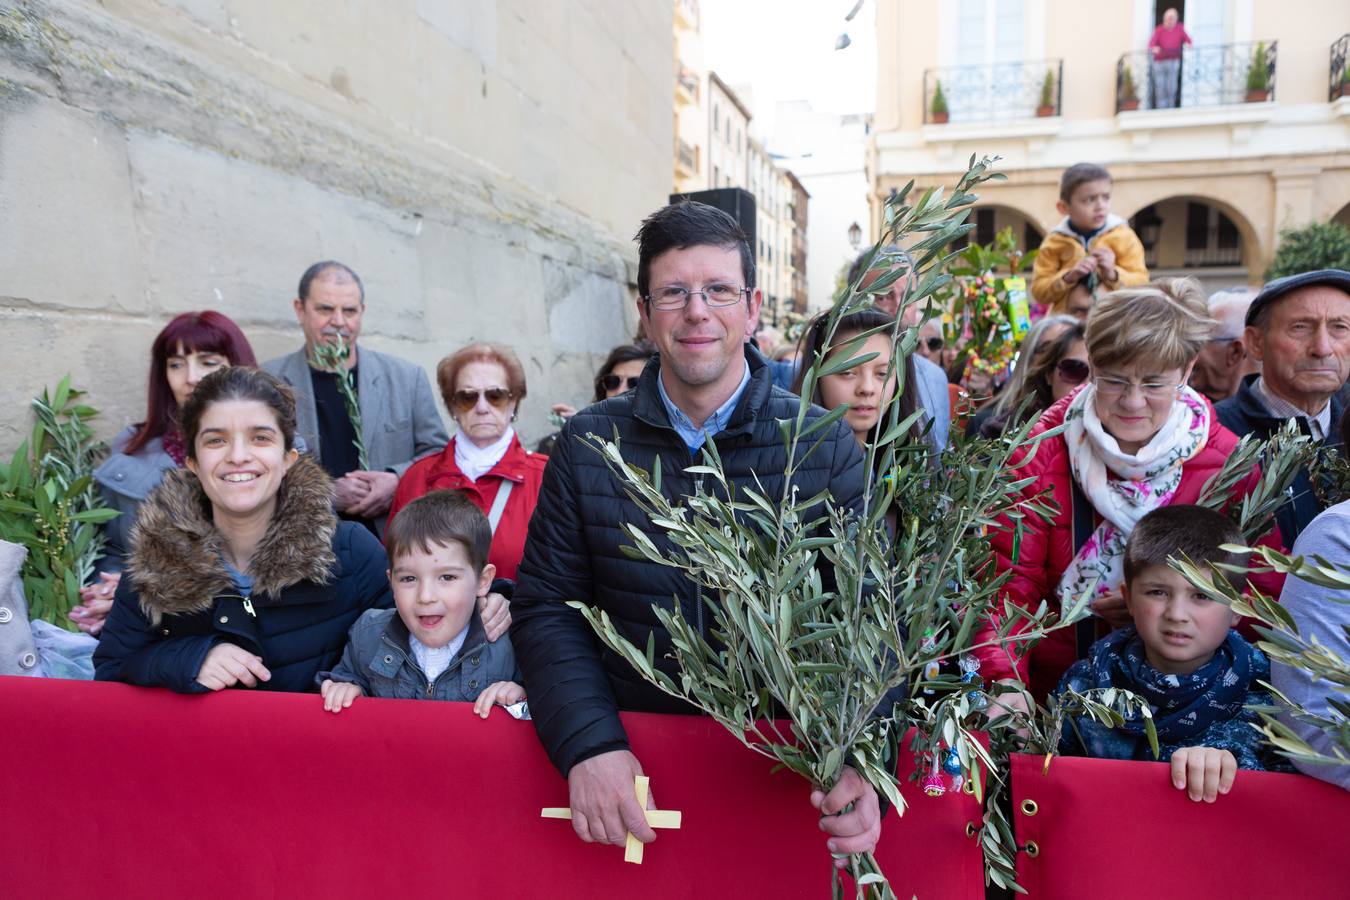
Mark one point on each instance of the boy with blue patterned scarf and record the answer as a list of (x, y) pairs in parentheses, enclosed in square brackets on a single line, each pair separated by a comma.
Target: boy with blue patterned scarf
[(1183, 657)]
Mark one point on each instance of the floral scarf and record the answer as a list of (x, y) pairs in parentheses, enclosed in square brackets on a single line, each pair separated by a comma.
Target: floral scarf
[(175, 445), (1144, 481)]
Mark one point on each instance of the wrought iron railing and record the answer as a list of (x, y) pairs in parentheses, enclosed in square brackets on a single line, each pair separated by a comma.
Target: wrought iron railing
[(1340, 68), (1211, 75), (1204, 257), (687, 154), (997, 92), (688, 80)]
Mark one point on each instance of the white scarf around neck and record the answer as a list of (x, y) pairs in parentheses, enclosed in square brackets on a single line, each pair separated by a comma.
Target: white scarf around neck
[(1144, 481), (474, 461)]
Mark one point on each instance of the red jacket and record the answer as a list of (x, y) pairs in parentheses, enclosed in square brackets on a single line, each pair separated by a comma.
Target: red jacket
[(440, 472), (1047, 548)]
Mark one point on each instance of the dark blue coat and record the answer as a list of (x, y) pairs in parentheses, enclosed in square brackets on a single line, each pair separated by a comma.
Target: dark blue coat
[(313, 578), (1245, 413), (574, 552)]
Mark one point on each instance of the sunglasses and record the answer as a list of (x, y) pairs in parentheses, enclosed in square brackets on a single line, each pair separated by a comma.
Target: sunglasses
[(463, 401), (1073, 371), (612, 382), (934, 344)]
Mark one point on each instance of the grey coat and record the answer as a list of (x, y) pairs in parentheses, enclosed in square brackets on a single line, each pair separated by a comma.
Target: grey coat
[(398, 409), (933, 397), (379, 661), (124, 481), (18, 652)]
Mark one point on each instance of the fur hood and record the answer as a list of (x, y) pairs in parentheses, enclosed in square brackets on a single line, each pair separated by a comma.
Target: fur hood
[(176, 564)]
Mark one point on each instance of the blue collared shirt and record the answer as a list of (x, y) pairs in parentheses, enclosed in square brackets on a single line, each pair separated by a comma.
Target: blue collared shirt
[(691, 434)]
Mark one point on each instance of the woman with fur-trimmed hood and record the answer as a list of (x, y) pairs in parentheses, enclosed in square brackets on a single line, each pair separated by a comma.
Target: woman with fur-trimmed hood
[(240, 572)]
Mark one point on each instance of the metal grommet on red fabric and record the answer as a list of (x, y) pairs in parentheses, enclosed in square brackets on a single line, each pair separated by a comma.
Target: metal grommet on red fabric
[(968, 786), (1033, 849), (1030, 807), (970, 829)]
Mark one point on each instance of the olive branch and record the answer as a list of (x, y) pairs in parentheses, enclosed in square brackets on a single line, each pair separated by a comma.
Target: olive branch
[(333, 358)]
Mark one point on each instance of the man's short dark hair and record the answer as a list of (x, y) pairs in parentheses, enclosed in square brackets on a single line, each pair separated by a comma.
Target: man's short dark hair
[(689, 224), (1079, 174), (440, 517), (1183, 530), (321, 269)]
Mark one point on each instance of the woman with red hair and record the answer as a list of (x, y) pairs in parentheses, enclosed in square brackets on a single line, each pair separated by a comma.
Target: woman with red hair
[(482, 385), (190, 347)]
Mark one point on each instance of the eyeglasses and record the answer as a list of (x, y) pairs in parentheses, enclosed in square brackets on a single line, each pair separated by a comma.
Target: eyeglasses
[(673, 297), (463, 401), (1074, 371), (612, 382), (1115, 387), (934, 344)]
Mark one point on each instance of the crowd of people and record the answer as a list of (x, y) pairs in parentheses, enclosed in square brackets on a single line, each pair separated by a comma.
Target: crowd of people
[(269, 538)]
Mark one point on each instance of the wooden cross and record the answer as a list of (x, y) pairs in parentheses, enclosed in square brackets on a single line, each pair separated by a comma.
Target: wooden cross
[(656, 818)]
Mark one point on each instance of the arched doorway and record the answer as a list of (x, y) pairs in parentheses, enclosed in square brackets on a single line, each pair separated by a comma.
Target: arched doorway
[(1198, 237), (990, 219), (1343, 217)]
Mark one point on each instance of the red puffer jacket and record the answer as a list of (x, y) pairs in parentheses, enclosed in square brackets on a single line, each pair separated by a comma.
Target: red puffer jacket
[(441, 472), (1046, 548)]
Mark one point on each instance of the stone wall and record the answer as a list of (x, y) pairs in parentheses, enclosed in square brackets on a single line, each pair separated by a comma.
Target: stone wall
[(481, 163)]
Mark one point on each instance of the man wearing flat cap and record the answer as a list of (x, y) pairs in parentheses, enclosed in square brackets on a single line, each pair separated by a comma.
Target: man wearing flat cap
[(1298, 328)]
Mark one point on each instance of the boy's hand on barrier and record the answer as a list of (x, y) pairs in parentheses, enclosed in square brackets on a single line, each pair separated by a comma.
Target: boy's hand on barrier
[(856, 830), (1203, 772), (338, 695), (604, 800), (229, 664), (495, 611), (502, 693)]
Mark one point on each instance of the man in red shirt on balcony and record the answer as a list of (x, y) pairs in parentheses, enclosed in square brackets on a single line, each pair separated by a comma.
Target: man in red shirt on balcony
[(1165, 66)]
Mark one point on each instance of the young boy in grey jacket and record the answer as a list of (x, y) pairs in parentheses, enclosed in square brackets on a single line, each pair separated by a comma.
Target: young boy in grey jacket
[(432, 645)]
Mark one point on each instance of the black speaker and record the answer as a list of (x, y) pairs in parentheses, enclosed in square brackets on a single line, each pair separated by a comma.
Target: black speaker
[(736, 202)]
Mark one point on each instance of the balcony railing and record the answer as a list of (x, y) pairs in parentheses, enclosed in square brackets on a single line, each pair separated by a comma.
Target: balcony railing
[(686, 154), (998, 92), (687, 80), (1212, 75), (1340, 68)]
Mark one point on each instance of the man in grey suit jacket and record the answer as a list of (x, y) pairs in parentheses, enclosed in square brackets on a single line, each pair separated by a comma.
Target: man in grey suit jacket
[(400, 422)]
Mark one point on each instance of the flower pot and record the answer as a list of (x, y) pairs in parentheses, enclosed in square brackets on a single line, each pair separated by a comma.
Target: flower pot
[(1345, 89), (1129, 105), (1258, 96), (940, 118), (1045, 111)]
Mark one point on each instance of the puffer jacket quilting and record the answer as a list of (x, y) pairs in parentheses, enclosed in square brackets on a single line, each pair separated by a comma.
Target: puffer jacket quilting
[(574, 551)]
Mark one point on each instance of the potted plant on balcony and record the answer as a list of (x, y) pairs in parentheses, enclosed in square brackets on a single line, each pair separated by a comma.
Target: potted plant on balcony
[(1047, 106), (938, 113), (1129, 94), (1345, 81), (1258, 79)]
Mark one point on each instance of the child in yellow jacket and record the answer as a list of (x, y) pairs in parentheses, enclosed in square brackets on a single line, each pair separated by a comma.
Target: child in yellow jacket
[(1090, 244)]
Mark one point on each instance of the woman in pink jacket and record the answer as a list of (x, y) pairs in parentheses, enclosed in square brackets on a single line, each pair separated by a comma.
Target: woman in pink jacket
[(1135, 438)]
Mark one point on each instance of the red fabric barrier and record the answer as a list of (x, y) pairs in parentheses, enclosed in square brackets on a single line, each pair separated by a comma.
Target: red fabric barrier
[(114, 791), (1110, 829)]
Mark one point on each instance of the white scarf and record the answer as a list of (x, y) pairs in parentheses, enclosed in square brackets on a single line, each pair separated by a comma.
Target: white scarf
[(1144, 481), (473, 460)]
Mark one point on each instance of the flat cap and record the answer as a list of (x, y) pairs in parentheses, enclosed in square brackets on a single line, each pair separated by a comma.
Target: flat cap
[(1274, 290)]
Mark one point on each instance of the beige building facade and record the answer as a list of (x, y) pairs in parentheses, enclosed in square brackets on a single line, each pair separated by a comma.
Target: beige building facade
[(1257, 138), (482, 164)]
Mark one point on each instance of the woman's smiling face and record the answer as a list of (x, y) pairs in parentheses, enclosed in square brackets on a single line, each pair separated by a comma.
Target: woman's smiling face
[(240, 457)]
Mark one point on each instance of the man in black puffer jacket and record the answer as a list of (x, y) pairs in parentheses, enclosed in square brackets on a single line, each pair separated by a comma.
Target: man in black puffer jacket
[(698, 305)]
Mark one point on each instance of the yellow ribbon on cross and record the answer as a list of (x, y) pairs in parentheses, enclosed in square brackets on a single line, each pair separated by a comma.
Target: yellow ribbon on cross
[(656, 818)]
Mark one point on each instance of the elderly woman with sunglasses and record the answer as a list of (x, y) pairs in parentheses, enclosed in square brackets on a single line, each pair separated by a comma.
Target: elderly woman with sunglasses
[(482, 385), (1135, 438)]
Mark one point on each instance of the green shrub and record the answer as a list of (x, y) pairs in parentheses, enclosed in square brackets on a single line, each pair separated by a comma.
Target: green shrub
[(49, 504), (1257, 77), (1048, 88), (939, 105), (1322, 245)]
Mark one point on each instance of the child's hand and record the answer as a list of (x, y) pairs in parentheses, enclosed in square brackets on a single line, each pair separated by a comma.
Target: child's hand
[(1204, 772), (1086, 266), (503, 693), (338, 695), (1106, 263)]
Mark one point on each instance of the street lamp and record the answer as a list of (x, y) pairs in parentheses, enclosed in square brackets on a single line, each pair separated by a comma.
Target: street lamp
[(855, 235)]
